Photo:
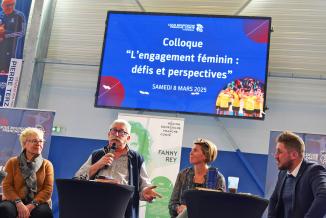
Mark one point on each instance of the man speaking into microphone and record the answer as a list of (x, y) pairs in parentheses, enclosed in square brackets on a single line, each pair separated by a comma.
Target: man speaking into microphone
[(121, 164)]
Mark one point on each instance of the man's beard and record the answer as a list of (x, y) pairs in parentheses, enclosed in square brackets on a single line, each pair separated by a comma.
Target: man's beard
[(286, 166)]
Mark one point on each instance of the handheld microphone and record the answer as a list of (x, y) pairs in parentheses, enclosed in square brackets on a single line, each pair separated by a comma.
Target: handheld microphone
[(111, 150)]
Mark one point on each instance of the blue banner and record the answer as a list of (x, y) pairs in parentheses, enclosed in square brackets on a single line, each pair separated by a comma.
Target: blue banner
[(14, 121), (13, 21)]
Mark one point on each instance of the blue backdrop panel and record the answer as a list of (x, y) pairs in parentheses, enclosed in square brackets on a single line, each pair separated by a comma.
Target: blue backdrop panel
[(230, 165), (67, 154)]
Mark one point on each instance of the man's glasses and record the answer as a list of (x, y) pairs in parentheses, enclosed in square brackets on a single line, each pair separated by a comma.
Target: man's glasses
[(34, 141), (120, 132), (8, 5)]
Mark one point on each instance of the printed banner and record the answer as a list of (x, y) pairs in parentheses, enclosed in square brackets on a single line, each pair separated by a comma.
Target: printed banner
[(13, 21), (159, 140), (315, 151), (14, 121)]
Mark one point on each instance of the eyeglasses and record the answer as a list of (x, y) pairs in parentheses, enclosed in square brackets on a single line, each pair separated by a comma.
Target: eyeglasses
[(34, 141), (9, 5), (279, 152), (120, 132)]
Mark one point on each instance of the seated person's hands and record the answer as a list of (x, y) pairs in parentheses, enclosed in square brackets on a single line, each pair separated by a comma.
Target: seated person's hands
[(150, 194), (22, 210), (181, 208), (30, 207)]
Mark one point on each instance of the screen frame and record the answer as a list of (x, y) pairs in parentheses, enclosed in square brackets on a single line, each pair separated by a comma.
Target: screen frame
[(104, 44)]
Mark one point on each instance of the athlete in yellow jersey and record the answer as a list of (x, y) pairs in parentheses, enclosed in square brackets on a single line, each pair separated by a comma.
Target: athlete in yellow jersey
[(218, 102), (249, 104), (235, 102), (223, 100), (258, 103)]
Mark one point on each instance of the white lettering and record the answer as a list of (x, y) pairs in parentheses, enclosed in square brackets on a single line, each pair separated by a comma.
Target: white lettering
[(177, 42)]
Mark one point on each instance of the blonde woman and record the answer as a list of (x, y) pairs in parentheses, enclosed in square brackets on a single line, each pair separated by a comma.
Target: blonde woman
[(28, 186), (200, 174)]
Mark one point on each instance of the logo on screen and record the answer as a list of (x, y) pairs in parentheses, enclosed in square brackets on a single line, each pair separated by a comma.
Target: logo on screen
[(183, 27), (199, 28)]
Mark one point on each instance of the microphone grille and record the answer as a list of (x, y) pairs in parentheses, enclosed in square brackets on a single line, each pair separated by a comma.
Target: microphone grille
[(106, 149), (113, 147)]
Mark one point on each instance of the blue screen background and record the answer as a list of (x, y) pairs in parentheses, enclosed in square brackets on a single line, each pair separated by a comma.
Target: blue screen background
[(223, 36)]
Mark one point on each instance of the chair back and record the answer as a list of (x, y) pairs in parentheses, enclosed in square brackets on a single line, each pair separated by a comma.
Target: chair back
[(85, 199)]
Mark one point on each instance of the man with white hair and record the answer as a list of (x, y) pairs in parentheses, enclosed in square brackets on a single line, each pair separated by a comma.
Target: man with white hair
[(121, 164)]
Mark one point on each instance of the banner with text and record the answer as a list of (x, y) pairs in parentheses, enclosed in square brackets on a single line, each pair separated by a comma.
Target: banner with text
[(14, 121), (315, 151), (159, 141), (13, 21)]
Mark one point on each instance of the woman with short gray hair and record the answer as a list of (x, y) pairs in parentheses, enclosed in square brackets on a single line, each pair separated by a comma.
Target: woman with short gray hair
[(28, 185)]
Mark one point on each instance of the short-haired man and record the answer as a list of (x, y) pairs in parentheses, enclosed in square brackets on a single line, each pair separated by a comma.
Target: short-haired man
[(122, 164), (300, 191)]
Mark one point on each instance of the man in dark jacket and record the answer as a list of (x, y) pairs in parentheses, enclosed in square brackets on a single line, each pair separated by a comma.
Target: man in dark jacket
[(300, 191)]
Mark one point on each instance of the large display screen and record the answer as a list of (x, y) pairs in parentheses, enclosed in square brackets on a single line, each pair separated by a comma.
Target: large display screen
[(214, 65)]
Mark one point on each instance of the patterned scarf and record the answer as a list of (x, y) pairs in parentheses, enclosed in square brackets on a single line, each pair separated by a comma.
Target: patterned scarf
[(29, 170)]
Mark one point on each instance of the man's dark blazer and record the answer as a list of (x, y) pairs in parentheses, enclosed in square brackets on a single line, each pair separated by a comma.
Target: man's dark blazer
[(309, 194)]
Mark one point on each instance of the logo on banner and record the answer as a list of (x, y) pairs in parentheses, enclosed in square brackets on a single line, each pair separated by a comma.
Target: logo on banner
[(323, 158), (2, 85), (3, 122), (311, 157)]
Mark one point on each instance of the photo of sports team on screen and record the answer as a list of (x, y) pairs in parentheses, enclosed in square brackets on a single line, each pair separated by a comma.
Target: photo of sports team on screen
[(241, 98)]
